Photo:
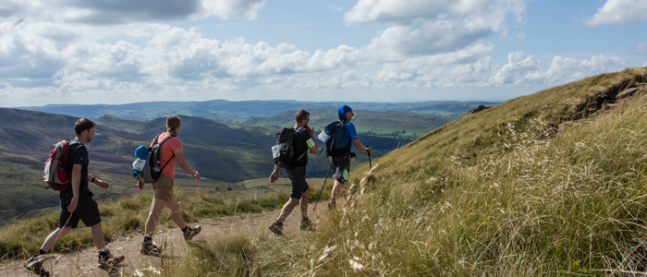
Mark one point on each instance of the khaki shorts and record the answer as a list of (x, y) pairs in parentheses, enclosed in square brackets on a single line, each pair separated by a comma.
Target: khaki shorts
[(164, 188)]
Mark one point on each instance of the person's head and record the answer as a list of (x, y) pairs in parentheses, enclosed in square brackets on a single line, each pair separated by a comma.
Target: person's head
[(84, 129), (173, 124), (302, 118), (345, 113)]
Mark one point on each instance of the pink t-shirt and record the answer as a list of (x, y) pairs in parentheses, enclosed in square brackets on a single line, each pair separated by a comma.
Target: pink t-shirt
[(167, 152)]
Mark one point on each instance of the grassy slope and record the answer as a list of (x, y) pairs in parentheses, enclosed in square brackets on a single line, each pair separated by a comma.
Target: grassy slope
[(485, 195)]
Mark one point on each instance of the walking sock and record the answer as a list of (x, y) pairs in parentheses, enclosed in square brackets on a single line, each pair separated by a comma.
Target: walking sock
[(185, 228), (147, 239), (41, 252)]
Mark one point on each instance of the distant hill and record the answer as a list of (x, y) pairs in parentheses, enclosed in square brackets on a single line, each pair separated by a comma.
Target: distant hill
[(238, 112), (383, 124)]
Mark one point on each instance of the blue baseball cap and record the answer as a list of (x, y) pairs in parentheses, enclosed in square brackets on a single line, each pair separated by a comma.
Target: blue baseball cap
[(341, 113)]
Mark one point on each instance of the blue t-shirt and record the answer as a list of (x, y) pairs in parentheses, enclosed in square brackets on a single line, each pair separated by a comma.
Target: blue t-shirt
[(349, 132)]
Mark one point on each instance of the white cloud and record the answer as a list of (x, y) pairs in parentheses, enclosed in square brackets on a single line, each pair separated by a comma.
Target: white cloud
[(518, 66), (645, 64), (397, 11), (430, 27), (640, 49), (229, 9), (431, 37), (120, 62), (563, 70), (521, 35), (619, 12), (125, 11)]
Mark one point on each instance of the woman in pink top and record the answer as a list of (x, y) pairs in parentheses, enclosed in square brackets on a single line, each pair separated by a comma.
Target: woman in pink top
[(170, 151)]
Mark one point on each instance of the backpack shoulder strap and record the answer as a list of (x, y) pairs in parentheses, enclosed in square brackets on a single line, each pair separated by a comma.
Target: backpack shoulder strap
[(156, 140), (172, 156)]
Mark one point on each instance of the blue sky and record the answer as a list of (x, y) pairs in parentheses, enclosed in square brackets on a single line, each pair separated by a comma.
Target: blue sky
[(121, 51)]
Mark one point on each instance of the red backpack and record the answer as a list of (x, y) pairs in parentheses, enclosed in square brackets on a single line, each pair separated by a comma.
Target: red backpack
[(56, 174)]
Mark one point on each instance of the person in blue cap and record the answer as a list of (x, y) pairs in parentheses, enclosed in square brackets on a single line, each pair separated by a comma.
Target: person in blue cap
[(341, 164)]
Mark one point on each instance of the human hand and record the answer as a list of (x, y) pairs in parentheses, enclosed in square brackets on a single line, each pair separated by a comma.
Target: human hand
[(196, 175), (140, 185), (368, 150), (274, 177), (102, 184), (311, 131), (73, 204)]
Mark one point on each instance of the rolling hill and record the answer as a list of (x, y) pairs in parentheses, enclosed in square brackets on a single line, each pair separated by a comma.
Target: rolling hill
[(238, 112), (382, 124)]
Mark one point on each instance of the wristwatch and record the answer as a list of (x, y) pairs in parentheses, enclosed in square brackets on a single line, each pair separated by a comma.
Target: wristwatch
[(93, 178)]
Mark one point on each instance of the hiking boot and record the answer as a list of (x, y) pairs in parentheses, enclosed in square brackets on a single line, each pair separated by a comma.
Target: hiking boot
[(331, 204), (150, 248), (35, 265), (276, 228), (306, 225), (191, 232), (107, 261)]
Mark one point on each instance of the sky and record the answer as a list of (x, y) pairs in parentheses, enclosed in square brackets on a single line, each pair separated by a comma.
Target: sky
[(124, 51)]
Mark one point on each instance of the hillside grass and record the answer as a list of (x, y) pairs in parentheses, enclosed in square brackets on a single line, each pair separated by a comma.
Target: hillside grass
[(490, 194)]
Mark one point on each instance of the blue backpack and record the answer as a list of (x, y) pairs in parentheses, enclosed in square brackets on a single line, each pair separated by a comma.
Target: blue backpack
[(335, 144)]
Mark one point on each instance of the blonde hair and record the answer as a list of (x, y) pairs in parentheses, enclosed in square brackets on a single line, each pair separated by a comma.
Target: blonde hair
[(172, 123)]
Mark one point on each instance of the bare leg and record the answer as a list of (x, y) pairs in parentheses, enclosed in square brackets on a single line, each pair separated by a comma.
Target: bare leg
[(338, 187), (304, 204), (176, 215), (151, 222), (287, 209), (97, 236), (53, 237)]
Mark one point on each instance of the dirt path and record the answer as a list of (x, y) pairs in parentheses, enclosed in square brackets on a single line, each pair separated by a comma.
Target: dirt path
[(84, 262)]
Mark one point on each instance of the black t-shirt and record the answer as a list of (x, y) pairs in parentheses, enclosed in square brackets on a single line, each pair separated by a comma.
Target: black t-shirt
[(300, 146), (78, 154)]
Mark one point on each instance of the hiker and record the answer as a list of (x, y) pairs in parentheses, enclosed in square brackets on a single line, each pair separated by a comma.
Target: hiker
[(170, 151), (341, 163), (302, 141), (77, 203)]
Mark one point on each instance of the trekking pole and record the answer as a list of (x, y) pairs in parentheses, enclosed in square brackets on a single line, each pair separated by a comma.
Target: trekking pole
[(322, 187), (370, 163), (369, 157)]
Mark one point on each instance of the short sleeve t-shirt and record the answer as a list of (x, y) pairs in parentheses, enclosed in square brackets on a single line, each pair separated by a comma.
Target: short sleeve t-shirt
[(300, 146), (79, 155), (349, 132), (166, 153)]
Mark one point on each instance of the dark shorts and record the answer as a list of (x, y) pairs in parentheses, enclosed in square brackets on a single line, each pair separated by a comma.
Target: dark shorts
[(339, 164), (87, 211), (298, 177)]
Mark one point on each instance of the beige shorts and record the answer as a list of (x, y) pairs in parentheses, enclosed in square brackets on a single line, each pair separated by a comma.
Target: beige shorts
[(164, 188)]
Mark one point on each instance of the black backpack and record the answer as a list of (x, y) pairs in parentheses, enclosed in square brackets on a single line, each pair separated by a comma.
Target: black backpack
[(283, 152), (335, 144), (152, 170)]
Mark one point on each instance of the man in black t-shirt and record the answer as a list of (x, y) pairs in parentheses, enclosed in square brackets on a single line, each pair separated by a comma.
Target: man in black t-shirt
[(302, 141), (77, 204)]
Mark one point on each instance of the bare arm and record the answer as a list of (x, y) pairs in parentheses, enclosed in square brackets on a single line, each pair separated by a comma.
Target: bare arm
[(76, 183), (275, 174), (179, 156), (315, 147), (359, 146)]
